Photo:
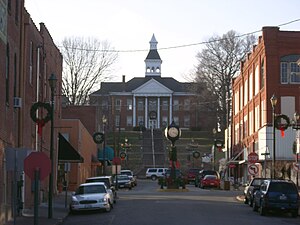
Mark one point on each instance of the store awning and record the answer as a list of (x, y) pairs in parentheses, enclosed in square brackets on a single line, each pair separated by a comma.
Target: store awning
[(66, 152)]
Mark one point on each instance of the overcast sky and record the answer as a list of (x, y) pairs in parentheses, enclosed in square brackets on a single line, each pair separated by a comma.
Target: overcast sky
[(129, 25)]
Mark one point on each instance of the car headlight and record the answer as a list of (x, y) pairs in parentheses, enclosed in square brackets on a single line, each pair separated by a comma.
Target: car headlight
[(105, 199), (74, 201)]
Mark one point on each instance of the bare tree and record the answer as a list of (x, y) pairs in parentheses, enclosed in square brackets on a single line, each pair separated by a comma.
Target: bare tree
[(218, 63), (87, 62)]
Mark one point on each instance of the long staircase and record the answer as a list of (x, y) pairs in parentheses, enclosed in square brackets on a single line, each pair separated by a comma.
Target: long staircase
[(153, 153)]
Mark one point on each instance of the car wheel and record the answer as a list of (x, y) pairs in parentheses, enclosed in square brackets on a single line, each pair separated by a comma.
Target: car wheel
[(109, 208), (250, 202), (294, 213), (254, 207), (153, 177), (246, 201), (262, 210)]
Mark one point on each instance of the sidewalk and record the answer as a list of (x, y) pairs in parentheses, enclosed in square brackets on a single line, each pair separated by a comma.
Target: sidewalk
[(59, 213)]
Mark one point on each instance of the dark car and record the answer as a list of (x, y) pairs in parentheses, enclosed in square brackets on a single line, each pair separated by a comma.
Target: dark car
[(191, 175), (250, 189), (202, 174), (108, 180), (124, 181), (180, 178), (280, 195), (130, 174)]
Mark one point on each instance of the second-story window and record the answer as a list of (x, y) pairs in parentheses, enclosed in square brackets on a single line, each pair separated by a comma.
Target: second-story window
[(118, 105), (129, 104)]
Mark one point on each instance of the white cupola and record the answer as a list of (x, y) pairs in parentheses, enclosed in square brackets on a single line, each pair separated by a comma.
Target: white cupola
[(153, 61)]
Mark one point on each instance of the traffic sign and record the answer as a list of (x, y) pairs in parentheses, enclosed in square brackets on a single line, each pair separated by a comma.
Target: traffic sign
[(252, 157), (296, 167), (37, 160), (253, 169)]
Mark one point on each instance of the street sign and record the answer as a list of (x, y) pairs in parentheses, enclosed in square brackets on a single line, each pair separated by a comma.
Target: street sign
[(296, 167), (253, 170), (252, 157), (37, 160)]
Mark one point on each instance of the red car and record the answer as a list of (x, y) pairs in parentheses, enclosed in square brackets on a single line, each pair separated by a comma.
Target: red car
[(210, 181), (191, 175)]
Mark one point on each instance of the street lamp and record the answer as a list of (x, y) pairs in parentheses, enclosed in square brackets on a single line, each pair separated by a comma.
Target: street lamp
[(104, 120), (296, 127), (52, 83), (273, 100)]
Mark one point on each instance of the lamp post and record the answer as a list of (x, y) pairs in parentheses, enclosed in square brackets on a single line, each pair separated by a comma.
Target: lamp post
[(296, 127), (104, 120), (273, 100), (52, 83)]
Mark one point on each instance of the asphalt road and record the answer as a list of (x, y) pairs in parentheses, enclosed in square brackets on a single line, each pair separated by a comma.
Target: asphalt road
[(146, 204)]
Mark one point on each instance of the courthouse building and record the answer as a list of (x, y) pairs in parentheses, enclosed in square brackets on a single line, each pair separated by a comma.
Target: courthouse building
[(152, 101)]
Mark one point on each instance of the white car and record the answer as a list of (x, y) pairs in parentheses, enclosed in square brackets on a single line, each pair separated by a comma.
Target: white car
[(92, 196)]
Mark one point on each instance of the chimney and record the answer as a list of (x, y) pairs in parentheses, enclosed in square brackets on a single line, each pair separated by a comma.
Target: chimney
[(123, 83)]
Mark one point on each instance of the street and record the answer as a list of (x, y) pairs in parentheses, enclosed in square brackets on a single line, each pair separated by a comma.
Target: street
[(146, 204)]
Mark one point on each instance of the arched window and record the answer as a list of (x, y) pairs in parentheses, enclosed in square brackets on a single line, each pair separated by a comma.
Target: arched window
[(157, 70)]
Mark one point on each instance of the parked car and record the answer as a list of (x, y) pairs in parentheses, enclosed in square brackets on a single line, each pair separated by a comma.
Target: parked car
[(250, 189), (108, 180), (92, 196), (124, 181), (191, 174), (180, 179), (130, 174), (212, 181), (154, 173), (280, 195), (202, 174)]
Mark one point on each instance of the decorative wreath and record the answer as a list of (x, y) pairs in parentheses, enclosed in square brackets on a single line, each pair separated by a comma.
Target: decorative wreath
[(40, 122), (282, 126), (35, 107), (196, 154)]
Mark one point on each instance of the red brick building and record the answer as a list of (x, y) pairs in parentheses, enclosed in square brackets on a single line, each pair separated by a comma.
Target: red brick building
[(28, 57), (271, 68)]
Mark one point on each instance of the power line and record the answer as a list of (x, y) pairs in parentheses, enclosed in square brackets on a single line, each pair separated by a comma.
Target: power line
[(180, 46)]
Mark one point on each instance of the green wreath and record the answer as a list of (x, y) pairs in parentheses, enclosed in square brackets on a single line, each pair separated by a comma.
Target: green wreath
[(282, 126), (35, 107), (196, 154)]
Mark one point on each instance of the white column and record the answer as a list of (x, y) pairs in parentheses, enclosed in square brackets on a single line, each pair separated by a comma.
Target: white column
[(158, 112), (134, 111), (171, 109), (146, 112)]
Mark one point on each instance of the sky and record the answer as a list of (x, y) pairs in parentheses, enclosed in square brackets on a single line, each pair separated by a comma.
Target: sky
[(180, 26)]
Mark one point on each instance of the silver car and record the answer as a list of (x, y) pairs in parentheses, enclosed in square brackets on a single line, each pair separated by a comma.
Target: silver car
[(92, 196)]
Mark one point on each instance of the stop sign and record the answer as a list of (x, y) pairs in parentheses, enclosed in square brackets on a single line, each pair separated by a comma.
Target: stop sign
[(252, 157), (37, 160)]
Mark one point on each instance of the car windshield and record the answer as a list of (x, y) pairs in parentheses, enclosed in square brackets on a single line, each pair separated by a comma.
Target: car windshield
[(283, 188), (125, 177), (91, 189), (194, 171), (210, 177), (257, 182), (126, 173), (104, 180)]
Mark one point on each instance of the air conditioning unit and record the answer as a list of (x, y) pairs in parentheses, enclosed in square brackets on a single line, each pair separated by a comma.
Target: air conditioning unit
[(17, 102)]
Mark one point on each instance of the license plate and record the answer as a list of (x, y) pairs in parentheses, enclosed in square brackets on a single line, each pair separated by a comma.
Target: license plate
[(212, 183), (88, 206), (282, 197), (121, 185)]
